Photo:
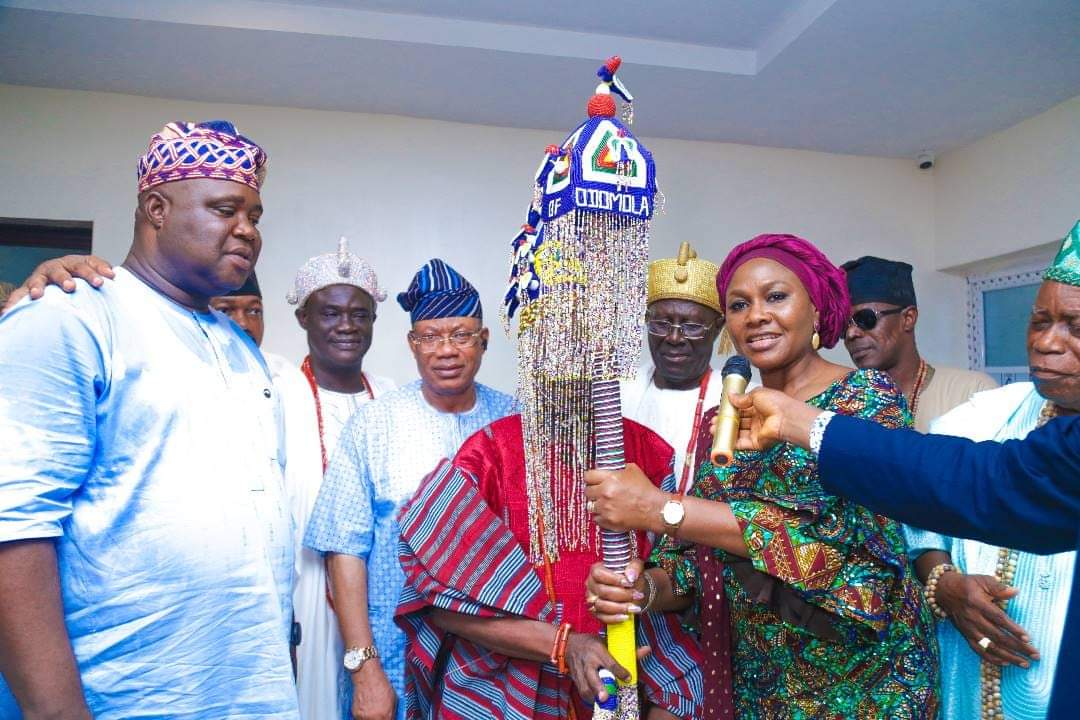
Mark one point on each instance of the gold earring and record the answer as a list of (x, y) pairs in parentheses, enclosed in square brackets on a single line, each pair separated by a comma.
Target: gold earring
[(725, 346), (815, 340)]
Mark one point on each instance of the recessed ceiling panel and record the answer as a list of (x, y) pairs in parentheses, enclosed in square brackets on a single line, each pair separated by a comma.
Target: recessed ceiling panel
[(873, 77), (740, 24)]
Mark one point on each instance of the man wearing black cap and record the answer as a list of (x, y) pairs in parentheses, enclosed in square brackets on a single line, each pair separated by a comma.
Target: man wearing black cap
[(881, 335), (244, 307)]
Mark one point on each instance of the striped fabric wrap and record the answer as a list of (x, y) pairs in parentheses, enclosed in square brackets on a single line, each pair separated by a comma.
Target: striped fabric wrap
[(461, 550)]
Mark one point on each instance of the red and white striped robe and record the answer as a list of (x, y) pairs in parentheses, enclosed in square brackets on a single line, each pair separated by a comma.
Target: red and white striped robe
[(463, 548)]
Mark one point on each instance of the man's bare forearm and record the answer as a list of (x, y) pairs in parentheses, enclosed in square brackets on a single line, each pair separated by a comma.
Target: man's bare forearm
[(349, 588), (514, 637), (36, 658)]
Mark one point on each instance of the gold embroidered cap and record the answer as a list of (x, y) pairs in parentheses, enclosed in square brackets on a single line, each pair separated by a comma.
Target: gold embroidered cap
[(686, 277)]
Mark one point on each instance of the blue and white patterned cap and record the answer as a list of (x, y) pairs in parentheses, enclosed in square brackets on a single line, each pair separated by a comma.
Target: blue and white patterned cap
[(340, 268), (439, 291)]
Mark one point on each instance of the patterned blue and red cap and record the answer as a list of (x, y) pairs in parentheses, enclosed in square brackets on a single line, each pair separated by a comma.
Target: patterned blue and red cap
[(213, 149)]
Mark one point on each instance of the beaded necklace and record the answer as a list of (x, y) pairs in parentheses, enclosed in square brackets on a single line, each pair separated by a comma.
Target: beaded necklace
[(305, 368), (920, 379), (691, 447), (1004, 572)]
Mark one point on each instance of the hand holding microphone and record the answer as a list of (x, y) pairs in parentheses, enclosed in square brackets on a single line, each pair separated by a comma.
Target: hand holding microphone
[(736, 375)]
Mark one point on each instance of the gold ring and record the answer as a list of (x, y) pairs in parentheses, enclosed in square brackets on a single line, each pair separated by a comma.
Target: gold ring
[(985, 643), (591, 599)]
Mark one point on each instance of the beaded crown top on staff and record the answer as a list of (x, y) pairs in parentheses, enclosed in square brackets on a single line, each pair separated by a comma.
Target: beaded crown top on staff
[(577, 287)]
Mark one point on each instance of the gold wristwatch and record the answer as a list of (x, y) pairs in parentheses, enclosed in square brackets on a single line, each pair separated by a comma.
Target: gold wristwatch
[(355, 657), (672, 514)]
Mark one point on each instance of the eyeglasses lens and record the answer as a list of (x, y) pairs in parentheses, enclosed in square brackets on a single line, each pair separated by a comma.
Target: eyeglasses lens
[(430, 343), (663, 328)]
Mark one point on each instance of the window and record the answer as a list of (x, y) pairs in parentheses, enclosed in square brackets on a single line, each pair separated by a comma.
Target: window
[(999, 306), (26, 242)]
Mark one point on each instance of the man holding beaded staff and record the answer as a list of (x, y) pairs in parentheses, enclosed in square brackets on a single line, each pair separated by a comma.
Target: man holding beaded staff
[(497, 543)]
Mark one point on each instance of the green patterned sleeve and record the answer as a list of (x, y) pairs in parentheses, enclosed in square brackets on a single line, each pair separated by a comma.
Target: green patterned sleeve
[(679, 561), (834, 553)]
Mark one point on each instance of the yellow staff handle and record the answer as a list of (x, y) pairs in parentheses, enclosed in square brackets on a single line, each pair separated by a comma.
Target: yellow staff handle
[(622, 644)]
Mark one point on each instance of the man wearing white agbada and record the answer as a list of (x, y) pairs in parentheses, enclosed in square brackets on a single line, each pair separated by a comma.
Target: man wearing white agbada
[(335, 294), (385, 451), (1002, 610), (672, 392)]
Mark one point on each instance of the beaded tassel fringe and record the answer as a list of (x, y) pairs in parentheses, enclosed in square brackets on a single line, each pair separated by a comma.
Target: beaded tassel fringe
[(593, 265)]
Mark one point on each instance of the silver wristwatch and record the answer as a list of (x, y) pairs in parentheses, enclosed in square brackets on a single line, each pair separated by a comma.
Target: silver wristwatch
[(355, 657)]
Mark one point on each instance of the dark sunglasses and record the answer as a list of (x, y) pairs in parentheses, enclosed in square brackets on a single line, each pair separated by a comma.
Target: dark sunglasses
[(867, 318)]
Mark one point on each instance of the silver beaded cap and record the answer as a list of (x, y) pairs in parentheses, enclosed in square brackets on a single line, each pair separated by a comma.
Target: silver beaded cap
[(335, 268)]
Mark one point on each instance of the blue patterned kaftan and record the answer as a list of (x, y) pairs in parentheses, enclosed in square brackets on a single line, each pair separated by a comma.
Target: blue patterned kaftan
[(145, 438), (385, 450)]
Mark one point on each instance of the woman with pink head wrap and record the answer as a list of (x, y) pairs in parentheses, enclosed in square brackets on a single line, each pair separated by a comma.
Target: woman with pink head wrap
[(812, 593), (824, 282)]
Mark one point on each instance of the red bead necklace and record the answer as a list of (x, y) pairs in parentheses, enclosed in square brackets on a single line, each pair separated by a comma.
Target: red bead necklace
[(305, 368), (691, 447)]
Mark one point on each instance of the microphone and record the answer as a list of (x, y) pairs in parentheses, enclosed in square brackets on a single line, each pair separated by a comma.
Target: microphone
[(736, 375)]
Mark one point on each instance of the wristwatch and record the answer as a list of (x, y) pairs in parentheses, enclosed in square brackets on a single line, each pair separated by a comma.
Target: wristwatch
[(672, 514), (355, 657)]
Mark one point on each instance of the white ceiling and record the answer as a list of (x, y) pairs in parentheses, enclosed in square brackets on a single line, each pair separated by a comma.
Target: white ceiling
[(877, 77)]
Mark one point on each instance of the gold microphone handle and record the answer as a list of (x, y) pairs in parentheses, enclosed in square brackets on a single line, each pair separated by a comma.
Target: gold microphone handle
[(727, 422)]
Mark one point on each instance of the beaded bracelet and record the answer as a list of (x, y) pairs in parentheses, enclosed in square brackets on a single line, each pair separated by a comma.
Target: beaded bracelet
[(650, 584), (558, 648), (930, 590)]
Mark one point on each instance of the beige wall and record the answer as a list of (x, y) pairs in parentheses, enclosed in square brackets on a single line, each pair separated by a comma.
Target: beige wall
[(405, 190), (1009, 191)]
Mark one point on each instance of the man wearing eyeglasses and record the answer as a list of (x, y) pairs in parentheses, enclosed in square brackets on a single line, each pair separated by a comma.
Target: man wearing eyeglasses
[(881, 335), (683, 319), (385, 450)]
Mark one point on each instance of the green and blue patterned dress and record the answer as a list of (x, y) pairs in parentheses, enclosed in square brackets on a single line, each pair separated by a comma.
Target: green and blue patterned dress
[(859, 642)]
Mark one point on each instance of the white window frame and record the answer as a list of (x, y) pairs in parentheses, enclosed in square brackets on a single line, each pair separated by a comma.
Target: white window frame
[(976, 286)]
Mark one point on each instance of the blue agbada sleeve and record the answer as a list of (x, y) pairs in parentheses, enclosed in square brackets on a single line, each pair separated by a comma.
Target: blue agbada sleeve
[(342, 520), (1023, 494), (49, 385)]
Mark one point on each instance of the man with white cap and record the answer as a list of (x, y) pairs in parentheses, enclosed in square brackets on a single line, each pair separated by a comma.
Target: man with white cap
[(385, 450), (335, 294)]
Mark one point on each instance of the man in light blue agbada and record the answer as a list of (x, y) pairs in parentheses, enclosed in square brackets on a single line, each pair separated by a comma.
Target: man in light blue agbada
[(385, 450), (1002, 660), (145, 539)]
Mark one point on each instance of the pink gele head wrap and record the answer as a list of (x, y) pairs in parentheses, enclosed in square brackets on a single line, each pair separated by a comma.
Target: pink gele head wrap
[(824, 282)]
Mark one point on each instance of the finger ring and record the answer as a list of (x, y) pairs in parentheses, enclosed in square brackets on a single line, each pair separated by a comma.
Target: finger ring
[(590, 507), (591, 599), (984, 643)]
